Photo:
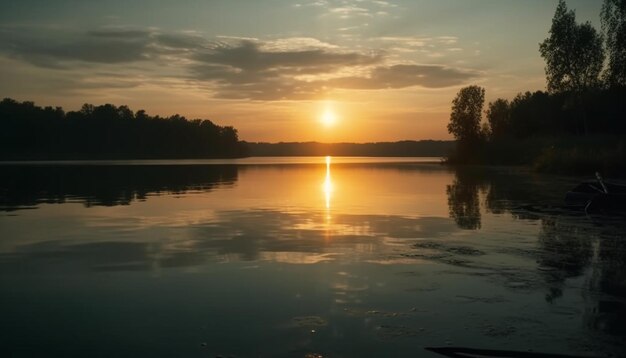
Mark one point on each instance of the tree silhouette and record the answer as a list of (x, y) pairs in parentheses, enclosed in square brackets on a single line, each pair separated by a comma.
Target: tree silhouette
[(108, 132), (498, 117), (613, 20), (543, 128), (573, 53), (466, 114)]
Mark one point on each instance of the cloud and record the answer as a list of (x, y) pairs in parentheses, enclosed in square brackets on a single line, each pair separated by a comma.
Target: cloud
[(64, 49), (273, 85), (181, 41), (319, 3), (402, 76), (247, 56), (251, 70), (417, 41), (120, 33), (384, 3), (229, 67), (270, 89), (353, 9), (349, 11), (296, 44), (55, 49)]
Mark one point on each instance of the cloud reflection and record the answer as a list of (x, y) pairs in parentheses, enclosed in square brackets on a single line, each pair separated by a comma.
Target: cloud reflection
[(241, 235)]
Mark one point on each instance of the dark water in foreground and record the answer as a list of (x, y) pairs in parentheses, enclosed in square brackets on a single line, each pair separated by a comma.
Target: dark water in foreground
[(369, 259)]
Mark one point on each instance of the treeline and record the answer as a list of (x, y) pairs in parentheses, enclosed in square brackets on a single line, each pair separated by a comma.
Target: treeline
[(577, 125), (30, 132), (548, 114), (423, 148)]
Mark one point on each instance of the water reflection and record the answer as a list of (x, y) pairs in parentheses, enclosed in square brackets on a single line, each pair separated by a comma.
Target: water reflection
[(570, 246), (241, 235), (25, 186), (417, 253), (328, 185), (328, 188), (463, 200)]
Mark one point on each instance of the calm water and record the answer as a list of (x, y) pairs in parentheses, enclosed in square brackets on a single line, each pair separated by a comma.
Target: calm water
[(293, 257)]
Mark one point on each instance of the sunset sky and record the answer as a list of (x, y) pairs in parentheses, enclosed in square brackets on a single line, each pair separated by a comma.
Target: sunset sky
[(326, 70)]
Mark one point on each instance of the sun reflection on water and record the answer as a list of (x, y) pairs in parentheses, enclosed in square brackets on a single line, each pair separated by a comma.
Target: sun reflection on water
[(328, 184), (327, 188)]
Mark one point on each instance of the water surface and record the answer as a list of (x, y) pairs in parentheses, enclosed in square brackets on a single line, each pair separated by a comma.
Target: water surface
[(289, 257)]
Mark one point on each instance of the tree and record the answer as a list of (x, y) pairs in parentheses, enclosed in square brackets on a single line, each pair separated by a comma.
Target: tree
[(108, 132), (613, 21), (466, 114), (573, 53), (498, 117)]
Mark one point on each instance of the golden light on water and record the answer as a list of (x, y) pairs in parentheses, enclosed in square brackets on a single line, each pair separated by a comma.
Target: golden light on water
[(327, 188), (328, 185)]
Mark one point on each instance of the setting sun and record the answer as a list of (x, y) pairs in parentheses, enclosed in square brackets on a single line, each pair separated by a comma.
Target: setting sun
[(328, 118)]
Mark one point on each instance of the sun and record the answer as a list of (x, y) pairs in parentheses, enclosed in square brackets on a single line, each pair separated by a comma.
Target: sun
[(328, 118)]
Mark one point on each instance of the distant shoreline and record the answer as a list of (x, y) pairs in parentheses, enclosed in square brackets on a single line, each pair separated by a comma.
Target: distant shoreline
[(399, 149), (258, 160), (403, 148)]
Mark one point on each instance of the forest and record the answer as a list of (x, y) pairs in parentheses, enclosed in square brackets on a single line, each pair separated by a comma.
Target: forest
[(577, 126), (30, 132)]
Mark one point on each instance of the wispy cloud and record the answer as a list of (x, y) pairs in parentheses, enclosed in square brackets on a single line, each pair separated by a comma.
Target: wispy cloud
[(249, 56), (349, 11), (417, 41), (229, 67), (53, 51), (402, 76)]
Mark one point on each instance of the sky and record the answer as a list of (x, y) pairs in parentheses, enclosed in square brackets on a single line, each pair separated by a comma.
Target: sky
[(278, 70)]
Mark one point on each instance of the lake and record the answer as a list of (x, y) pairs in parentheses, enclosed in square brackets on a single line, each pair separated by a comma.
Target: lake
[(301, 257)]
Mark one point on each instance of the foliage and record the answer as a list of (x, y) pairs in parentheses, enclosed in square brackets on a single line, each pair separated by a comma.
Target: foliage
[(530, 129), (544, 114), (573, 53), (108, 132), (466, 114), (613, 21), (498, 117)]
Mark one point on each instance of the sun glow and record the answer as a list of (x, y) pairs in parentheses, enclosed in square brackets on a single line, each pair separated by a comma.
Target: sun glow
[(328, 118)]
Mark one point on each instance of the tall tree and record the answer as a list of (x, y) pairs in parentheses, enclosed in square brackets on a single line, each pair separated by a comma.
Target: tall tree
[(498, 117), (573, 53), (466, 114), (613, 21)]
